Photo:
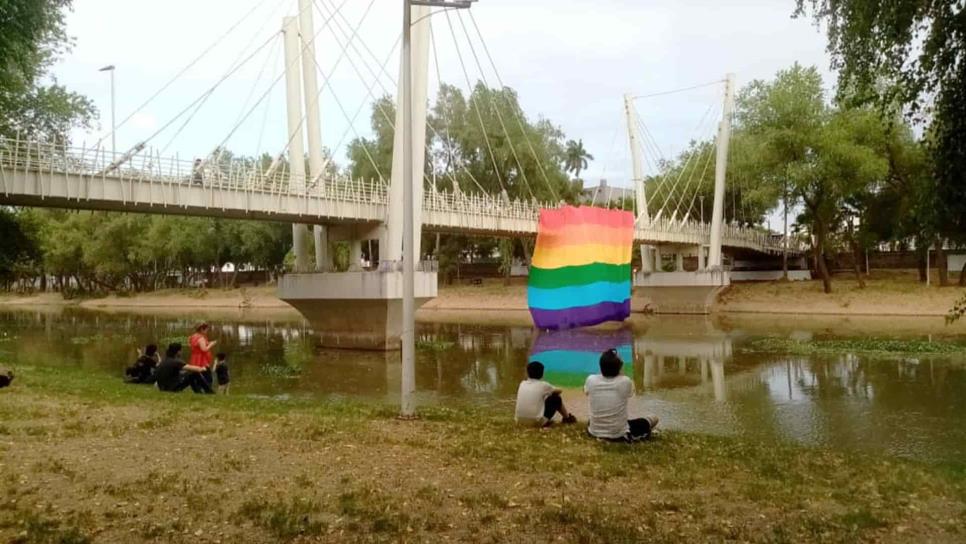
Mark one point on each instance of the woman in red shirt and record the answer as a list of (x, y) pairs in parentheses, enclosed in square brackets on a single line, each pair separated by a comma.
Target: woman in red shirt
[(201, 354)]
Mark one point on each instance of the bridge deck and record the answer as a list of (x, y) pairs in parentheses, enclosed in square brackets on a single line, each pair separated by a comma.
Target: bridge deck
[(37, 174)]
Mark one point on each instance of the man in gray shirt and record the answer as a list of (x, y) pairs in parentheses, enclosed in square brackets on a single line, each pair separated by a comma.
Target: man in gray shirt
[(609, 392)]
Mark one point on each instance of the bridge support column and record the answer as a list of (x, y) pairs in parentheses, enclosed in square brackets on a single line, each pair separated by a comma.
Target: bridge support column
[(648, 370), (300, 246), (658, 261), (296, 145), (702, 258), (323, 260), (355, 255), (647, 259), (679, 261)]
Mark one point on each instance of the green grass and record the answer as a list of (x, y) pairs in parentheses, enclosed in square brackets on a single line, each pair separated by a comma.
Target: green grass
[(852, 345), (463, 472)]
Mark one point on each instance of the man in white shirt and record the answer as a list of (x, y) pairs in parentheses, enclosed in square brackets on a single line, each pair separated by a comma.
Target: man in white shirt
[(609, 392), (538, 401)]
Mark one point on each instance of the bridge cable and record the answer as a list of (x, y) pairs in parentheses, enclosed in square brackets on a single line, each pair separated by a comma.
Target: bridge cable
[(187, 67), (211, 91), (452, 157), (476, 106), (709, 153), (671, 193), (265, 110), (696, 151), (516, 111), (681, 90), (495, 107), (351, 120), (208, 93), (378, 80)]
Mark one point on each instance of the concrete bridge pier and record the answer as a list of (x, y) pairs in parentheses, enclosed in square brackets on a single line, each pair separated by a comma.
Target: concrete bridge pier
[(358, 309), (678, 292), (354, 310)]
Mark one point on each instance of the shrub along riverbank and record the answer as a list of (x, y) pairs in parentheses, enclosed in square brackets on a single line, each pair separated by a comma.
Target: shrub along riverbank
[(86, 458)]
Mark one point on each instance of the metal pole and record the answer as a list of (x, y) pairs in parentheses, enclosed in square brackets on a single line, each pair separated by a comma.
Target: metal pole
[(927, 267), (721, 165), (113, 118), (409, 270), (785, 232)]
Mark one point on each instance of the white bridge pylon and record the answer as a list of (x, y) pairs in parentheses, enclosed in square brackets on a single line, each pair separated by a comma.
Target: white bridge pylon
[(713, 258)]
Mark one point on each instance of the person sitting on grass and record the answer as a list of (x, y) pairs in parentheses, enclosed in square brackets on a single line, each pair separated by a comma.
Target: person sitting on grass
[(608, 393), (174, 375), (142, 371), (538, 401), (221, 372)]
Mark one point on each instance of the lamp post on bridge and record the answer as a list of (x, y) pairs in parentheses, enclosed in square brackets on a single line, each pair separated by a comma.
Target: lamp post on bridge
[(408, 340), (110, 68)]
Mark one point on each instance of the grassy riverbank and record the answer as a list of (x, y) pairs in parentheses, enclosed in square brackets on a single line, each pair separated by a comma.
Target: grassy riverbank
[(87, 459)]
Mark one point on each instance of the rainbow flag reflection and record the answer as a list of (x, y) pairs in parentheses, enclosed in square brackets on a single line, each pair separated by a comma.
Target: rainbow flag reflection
[(569, 356)]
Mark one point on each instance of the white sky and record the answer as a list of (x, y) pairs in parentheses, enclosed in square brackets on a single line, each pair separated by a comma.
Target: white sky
[(570, 60)]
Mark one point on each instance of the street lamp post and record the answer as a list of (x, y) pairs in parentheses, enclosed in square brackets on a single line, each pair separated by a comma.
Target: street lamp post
[(409, 255), (110, 68)]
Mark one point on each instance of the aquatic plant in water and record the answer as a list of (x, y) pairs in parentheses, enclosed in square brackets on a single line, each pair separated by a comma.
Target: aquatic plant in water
[(851, 345)]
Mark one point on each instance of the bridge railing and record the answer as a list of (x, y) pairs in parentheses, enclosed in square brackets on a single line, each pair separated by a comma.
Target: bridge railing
[(495, 206), (475, 211), (216, 173)]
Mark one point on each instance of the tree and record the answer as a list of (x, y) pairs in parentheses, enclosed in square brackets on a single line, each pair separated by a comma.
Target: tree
[(18, 246), (909, 57), (32, 35), (829, 157), (576, 157)]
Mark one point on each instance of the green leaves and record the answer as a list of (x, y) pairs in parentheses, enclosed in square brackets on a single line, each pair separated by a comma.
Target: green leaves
[(32, 35), (908, 57)]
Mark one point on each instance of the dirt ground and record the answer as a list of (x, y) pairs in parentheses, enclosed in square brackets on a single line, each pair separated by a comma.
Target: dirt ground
[(85, 459), (888, 293)]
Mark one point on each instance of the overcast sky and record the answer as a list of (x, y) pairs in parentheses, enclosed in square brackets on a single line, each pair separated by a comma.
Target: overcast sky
[(570, 60)]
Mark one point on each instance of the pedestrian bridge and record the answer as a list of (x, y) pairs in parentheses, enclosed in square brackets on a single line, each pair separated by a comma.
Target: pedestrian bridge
[(51, 175)]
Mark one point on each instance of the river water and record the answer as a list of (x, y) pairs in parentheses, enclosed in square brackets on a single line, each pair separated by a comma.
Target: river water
[(696, 374)]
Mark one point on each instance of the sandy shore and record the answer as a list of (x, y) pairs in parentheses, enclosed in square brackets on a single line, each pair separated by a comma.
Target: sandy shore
[(886, 294)]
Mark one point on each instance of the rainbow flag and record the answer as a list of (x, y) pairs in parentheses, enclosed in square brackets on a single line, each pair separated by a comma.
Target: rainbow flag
[(581, 269), (568, 357)]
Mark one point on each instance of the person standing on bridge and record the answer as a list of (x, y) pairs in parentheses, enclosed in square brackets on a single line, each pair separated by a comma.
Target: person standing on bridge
[(201, 354), (197, 173)]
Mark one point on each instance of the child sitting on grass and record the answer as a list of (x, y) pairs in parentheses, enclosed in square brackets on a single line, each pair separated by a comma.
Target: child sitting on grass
[(609, 392), (221, 372), (538, 401)]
